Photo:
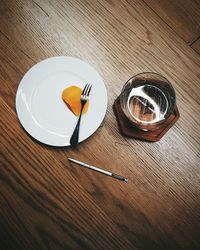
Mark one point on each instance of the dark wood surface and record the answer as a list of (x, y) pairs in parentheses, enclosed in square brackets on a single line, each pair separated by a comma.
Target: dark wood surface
[(196, 45), (47, 203), (182, 16)]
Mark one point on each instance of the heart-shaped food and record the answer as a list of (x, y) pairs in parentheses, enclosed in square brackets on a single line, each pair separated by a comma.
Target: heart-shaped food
[(72, 97)]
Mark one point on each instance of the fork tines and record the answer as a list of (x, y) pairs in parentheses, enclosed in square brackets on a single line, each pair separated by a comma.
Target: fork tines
[(87, 89)]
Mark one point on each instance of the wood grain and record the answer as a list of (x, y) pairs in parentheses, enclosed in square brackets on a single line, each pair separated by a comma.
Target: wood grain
[(196, 45), (37, 187), (47, 203), (182, 16)]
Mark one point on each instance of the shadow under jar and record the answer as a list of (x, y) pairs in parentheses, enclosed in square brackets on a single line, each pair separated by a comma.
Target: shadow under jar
[(147, 100)]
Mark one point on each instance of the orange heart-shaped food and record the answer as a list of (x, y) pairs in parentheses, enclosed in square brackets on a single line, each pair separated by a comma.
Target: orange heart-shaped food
[(72, 97)]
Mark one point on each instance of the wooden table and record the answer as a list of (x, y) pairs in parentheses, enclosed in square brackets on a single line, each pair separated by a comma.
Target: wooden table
[(48, 203)]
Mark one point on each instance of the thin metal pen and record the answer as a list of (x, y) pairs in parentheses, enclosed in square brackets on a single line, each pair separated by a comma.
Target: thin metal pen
[(99, 170)]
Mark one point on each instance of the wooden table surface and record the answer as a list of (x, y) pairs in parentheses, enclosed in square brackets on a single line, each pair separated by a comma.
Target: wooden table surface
[(48, 203)]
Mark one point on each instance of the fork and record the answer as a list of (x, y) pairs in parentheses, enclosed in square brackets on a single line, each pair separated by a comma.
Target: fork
[(84, 98)]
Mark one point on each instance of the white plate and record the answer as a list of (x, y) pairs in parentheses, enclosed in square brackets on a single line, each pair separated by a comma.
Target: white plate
[(41, 109)]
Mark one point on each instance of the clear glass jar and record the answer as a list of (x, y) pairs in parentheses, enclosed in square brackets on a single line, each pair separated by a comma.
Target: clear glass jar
[(147, 100)]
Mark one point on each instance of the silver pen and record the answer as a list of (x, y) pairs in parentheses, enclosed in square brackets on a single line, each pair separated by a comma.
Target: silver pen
[(116, 176)]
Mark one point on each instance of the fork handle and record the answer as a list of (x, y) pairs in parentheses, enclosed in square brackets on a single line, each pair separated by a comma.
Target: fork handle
[(75, 136)]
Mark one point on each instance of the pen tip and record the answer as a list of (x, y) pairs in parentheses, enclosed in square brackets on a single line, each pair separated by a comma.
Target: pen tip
[(126, 180)]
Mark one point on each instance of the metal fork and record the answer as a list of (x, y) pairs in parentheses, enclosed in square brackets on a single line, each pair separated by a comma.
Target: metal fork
[(84, 98)]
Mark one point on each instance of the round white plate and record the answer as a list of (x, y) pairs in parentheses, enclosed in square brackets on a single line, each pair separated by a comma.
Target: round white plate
[(39, 105)]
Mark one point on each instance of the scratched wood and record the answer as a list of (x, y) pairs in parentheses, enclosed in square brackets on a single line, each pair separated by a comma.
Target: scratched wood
[(47, 203), (182, 16)]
